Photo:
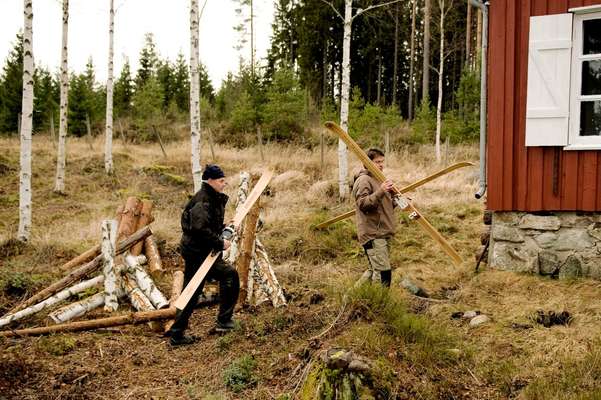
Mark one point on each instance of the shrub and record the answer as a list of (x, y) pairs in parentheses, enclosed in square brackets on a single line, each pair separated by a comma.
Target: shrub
[(240, 373)]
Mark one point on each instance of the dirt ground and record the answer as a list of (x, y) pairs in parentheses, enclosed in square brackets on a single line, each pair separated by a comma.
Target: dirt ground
[(511, 356)]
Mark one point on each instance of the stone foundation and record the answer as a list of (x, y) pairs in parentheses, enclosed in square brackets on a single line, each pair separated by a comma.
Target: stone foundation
[(559, 244)]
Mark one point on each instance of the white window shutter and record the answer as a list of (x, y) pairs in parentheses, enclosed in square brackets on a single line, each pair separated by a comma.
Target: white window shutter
[(548, 98)]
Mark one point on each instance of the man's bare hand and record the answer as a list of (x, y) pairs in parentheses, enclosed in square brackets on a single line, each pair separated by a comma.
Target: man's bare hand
[(387, 185), (226, 244)]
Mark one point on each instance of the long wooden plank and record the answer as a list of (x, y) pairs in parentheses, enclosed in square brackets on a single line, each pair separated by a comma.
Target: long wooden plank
[(405, 189), (206, 265), (402, 202)]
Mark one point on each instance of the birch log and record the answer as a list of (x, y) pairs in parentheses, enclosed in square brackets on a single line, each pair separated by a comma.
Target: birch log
[(82, 271), (177, 286), (145, 283), (195, 97), (144, 219), (77, 309), (231, 254), (26, 126), (155, 265), (137, 298), (109, 237), (108, 142), (59, 184), (265, 276), (127, 319), (246, 249), (60, 296)]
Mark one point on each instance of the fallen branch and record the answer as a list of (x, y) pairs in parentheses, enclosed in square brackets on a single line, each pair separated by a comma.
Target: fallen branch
[(128, 319)]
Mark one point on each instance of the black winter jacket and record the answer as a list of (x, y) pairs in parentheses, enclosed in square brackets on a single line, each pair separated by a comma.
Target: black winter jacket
[(202, 222)]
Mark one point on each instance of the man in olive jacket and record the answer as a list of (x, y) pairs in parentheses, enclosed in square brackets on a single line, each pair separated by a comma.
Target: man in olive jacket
[(202, 226), (376, 223)]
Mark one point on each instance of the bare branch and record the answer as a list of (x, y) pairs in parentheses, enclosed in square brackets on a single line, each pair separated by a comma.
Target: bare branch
[(202, 9), (374, 7), (333, 8)]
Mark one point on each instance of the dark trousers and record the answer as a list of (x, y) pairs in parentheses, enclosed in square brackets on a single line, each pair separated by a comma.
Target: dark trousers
[(229, 287)]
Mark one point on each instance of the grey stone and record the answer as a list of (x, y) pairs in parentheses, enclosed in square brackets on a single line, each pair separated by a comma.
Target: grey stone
[(507, 233), (359, 366), (506, 218), (548, 263), (470, 314), (573, 239), (540, 222), (571, 269), (572, 220), (546, 239), (594, 230), (479, 320), (514, 257)]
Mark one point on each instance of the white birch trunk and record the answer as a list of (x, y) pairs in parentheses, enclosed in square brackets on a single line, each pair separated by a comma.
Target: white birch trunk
[(77, 309), (231, 254), (195, 96), (26, 126), (440, 81), (109, 237), (343, 190), (264, 276), (57, 298), (108, 143), (137, 298), (412, 60), (145, 283), (59, 184)]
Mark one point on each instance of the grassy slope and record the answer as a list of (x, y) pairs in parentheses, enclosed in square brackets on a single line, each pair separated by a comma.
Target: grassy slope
[(492, 361)]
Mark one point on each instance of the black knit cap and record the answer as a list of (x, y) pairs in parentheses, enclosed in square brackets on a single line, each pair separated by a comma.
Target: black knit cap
[(212, 171)]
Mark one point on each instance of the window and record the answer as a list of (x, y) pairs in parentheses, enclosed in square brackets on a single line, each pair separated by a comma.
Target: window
[(585, 85)]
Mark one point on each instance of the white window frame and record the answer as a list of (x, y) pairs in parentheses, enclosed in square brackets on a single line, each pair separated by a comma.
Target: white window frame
[(575, 141)]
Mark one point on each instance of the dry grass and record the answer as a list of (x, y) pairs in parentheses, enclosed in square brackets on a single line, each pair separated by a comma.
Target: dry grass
[(499, 361)]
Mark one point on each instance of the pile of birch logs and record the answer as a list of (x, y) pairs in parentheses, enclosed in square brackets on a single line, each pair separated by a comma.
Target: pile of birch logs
[(127, 246), (258, 283)]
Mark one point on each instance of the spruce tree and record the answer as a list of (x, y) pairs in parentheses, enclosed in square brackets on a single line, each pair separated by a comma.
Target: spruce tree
[(12, 87), (181, 84), (148, 61), (123, 92)]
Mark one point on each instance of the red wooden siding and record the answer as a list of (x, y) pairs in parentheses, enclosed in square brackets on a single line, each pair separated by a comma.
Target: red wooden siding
[(523, 178)]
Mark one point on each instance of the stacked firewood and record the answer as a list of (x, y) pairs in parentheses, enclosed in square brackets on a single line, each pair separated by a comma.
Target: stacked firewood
[(127, 259)]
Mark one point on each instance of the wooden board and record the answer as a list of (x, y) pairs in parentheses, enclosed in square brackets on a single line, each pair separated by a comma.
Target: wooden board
[(403, 203), (205, 267)]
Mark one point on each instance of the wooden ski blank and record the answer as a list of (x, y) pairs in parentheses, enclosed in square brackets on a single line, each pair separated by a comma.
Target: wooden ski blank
[(205, 267), (402, 202), (405, 189)]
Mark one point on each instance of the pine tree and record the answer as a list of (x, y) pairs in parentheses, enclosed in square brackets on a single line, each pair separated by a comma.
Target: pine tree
[(123, 92), (148, 61), (12, 87)]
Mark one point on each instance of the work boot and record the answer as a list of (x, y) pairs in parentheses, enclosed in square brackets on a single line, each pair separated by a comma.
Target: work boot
[(182, 340), (225, 326)]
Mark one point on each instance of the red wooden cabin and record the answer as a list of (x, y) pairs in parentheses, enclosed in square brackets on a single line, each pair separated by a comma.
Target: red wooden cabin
[(544, 128)]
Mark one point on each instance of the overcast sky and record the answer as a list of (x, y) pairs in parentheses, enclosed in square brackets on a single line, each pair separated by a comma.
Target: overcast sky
[(168, 20)]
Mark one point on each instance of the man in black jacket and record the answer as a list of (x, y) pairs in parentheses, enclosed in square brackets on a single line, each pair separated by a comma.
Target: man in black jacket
[(202, 225)]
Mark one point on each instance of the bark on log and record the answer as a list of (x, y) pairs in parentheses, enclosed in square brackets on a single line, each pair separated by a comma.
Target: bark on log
[(82, 271), (128, 319), (77, 309), (265, 276), (231, 254), (60, 296), (246, 249), (80, 259), (176, 289), (109, 237), (155, 265), (144, 219), (137, 298), (146, 284), (129, 219)]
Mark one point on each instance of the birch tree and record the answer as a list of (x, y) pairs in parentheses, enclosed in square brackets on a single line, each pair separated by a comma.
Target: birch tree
[(26, 125), (59, 184), (195, 96), (440, 71), (426, 52), (108, 142), (343, 189)]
